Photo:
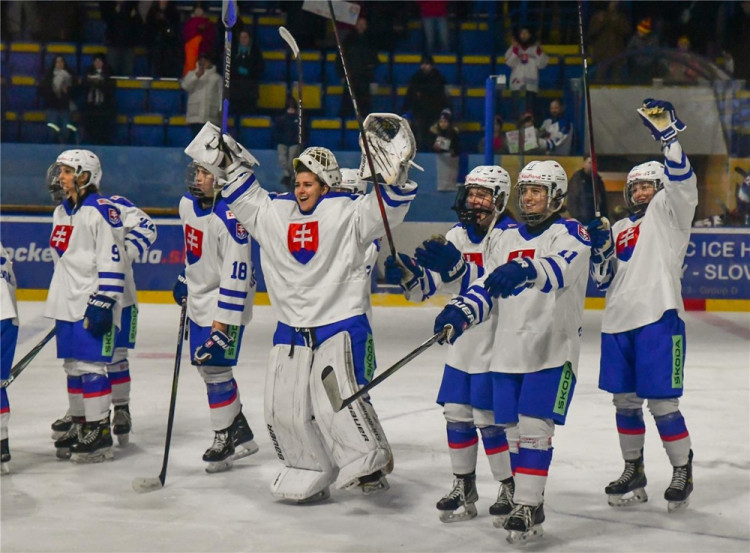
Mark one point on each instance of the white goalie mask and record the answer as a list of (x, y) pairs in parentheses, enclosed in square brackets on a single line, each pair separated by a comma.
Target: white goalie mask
[(350, 182), (81, 161), (547, 174), (493, 178), (322, 163), (651, 172)]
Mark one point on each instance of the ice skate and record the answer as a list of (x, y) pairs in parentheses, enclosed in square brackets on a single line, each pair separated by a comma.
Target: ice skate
[(524, 524), (95, 444), (458, 504), (121, 424), (242, 438), (501, 508), (61, 426), (630, 487), (69, 438), (4, 456), (681, 486), (373, 483), (219, 455), (322, 495)]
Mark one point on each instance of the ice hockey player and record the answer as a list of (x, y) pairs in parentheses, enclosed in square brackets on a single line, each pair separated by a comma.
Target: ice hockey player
[(540, 269), (449, 265), (218, 284), (639, 263), (8, 339), (140, 236), (317, 285), (85, 299)]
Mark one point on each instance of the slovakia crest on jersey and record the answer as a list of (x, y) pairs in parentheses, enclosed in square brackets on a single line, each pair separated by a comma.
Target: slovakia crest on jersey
[(625, 243), (241, 231), (114, 216), (475, 258), (193, 244), (302, 240), (518, 254), (60, 238)]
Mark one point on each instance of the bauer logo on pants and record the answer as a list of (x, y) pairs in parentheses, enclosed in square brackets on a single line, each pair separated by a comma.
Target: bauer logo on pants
[(193, 244), (302, 240)]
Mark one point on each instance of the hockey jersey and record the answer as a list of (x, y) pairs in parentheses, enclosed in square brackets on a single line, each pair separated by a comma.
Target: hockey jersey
[(314, 262), (219, 272), (88, 249), (642, 279), (8, 284), (537, 328)]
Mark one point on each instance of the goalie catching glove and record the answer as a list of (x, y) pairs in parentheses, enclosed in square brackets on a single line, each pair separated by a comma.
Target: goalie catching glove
[(219, 154), (660, 118), (392, 147)]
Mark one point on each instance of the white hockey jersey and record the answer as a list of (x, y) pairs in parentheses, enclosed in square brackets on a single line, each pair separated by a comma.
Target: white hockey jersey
[(643, 277), (7, 288), (538, 328), (140, 235), (314, 263), (219, 272), (89, 253)]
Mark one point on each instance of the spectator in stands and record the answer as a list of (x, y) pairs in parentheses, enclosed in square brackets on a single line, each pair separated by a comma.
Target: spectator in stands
[(163, 39), (124, 26), (556, 132), (608, 34), (580, 201), (425, 99), (446, 145), (198, 37), (643, 66), (525, 57), (285, 136), (99, 111), (204, 87), (56, 91), (499, 144), (434, 21), (361, 61), (247, 69)]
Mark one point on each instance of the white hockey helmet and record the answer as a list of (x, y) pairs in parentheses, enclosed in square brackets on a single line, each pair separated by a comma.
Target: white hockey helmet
[(550, 175), (322, 163), (350, 182), (493, 178), (651, 172), (81, 161)]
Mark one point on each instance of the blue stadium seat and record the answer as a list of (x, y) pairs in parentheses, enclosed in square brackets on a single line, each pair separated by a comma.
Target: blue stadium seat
[(147, 130), (178, 132), (88, 51), (272, 96), (67, 50), (413, 41), (351, 135), (21, 95), (474, 104), (255, 132), (131, 95), (94, 27), (474, 38), (312, 97), (325, 132), (122, 131), (166, 97), (404, 66), (140, 65), (382, 100), (572, 67), (550, 76), (34, 128), (447, 64), (267, 32), (276, 66), (475, 70), (332, 100), (10, 127), (469, 134), (25, 58), (383, 70), (330, 75), (312, 67)]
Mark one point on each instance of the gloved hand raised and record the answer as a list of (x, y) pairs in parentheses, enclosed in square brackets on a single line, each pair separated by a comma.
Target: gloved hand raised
[(660, 118), (602, 245), (403, 271), (441, 256)]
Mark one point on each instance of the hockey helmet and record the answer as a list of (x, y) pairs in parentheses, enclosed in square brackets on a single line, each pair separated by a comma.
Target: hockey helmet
[(322, 163), (489, 177), (651, 172), (194, 178), (350, 182), (550, 175)]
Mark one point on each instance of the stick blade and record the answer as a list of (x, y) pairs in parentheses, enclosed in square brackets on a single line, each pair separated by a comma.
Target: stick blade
[(289, 39), (331, 386), (145, 485)]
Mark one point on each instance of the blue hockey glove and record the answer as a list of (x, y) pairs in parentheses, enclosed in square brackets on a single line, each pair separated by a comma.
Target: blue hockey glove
[(457, 316), (180, 291), (507, 278), (216, 345), (439, 255), (602, 245), (403, 271), (98, 317), (660, 118)]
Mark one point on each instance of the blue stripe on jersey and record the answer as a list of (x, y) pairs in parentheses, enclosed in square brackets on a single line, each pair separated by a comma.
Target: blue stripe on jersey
[(232, 293), (476, 300), (122, 200), (230, 306), (678, 178), (557, 271), (115, 276), (140, 237), (481, 291), (467, 277), (676, 164), (136, 244), (397, 191), (431, 288), (111, 288), (241, 189)]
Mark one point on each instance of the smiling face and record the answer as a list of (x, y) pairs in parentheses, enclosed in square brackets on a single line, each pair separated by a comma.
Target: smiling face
[(533, 199), (480, 199), (308, 189), (642, 192)]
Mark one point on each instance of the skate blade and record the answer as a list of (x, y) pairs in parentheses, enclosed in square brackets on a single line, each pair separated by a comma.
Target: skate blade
[(245, 450), (677, 506), (468, 512), (516, 537), (4, 468), (144, 485), (625, 500), (96, 457), (62, 453), (57, 434), (219, 466), (322, 495), (373, 488), (123, 439)]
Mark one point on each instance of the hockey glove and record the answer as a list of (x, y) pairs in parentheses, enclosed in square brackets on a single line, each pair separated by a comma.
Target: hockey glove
[(457, 317), (180, 290), (441, 256), (98, 317), (602, 245), (511, 278), (403, 271), (660, 118), (216, 345)]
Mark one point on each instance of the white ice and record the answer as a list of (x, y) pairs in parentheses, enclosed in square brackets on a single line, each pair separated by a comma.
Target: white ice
[(51, 505)]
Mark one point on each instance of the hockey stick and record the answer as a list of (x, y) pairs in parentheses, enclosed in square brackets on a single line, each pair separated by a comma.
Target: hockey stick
[(228, 18), (142, 485), (587, 94), (289, 39), (28, 358), (331, 383), (365, 145)]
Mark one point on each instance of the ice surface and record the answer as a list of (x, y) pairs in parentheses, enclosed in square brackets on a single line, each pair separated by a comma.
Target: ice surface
[(51, 505)]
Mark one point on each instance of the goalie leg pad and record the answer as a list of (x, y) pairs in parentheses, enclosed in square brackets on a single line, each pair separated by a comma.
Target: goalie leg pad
[(354, 434), (295, 435)]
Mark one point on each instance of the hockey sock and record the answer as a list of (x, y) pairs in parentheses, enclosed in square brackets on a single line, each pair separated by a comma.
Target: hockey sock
[(463, 443), (75, 396), (632, 432), (119, 380), (674, 437), (224, 401), (513, 437), (531, 472), (96, 396), (496, 447)]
